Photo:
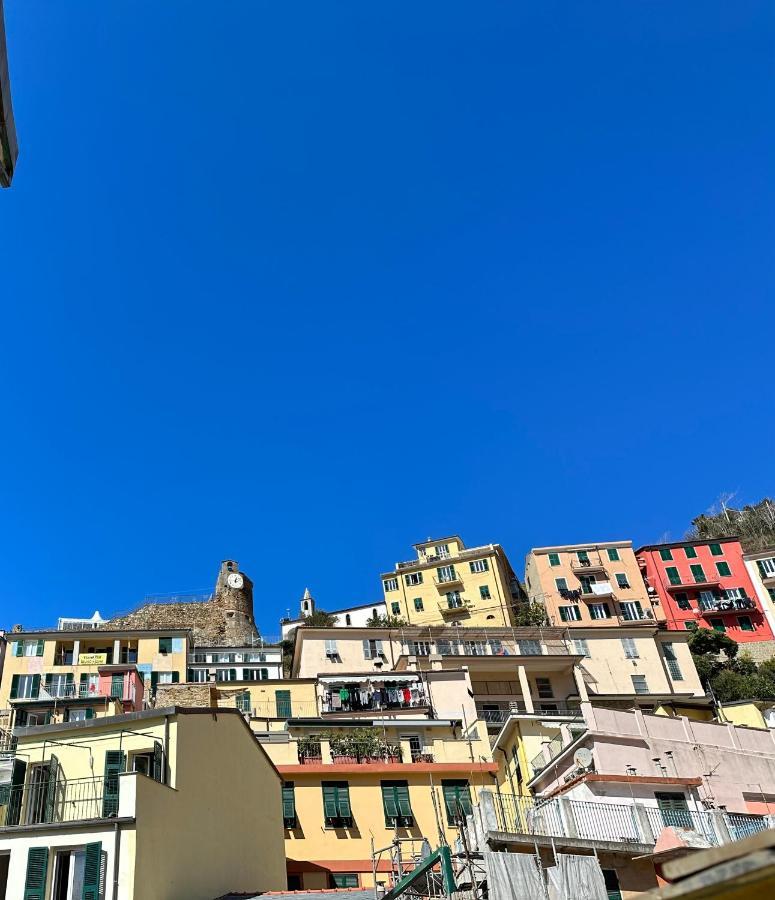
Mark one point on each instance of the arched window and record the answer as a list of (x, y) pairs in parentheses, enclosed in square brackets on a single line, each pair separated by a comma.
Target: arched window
[(347, 620)]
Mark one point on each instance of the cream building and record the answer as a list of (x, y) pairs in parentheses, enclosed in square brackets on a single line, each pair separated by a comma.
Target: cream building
[(449, 583), (590, 584), (761, 567), (137, 806)]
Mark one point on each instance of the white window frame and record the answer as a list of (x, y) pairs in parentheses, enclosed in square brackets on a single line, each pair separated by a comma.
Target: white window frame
[(580, 646), (200, 676), (442, 551), (768, 564), (480, 565), (391, 584), (412, 579), (30, 648), (630, 648), (331, 647), (164, 678), (446, 573), (598, 607), (27, 680), (641, 679)]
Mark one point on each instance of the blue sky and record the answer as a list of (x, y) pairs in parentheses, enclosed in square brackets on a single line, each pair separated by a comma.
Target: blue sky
[(303, 283)]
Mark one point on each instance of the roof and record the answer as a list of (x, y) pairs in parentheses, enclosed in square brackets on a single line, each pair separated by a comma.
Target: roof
[(691, 543), (347, 893), (596, 545), (450, 537), (94, 633)]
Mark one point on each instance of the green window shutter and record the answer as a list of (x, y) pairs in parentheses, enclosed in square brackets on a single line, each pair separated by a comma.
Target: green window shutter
[(389, 804), (69, 678), (190, 675), (52, 785), (283, 704), (14, 687), (114, 764), (666, 554), (91, 872), (691, 553), (176, 677), (18, 649), (289, 804), (613, 554), (698, 573), (402, 797), (554, 559), (47, 679), (154, 681), (343, 801), (672, 575), (165, 645), (37, 868), (89, 712), (232, 674), (39, 649), (18, 774), (457, 799), (329, 801), (158, 762), (716, 550), (723, 569), (35, 686)]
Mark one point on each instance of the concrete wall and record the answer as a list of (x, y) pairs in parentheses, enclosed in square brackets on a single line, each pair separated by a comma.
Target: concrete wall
[(220, 829)]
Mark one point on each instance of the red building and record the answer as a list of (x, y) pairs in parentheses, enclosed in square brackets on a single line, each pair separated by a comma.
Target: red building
[(704, 584)]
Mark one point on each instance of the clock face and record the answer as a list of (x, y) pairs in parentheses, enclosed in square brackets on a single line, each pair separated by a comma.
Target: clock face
[(234, 580)]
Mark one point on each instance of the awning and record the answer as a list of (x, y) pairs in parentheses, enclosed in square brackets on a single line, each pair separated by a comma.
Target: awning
[(362, 679)]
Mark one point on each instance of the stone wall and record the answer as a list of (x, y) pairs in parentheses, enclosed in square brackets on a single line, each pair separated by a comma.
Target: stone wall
[(192, 695)]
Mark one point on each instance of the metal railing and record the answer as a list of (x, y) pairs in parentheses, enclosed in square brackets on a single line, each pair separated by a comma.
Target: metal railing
[(57, 801), (295, 709), (689, 819), (742, 825), (546, 709)]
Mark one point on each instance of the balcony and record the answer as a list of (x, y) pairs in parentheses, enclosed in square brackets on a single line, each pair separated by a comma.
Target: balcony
[(385, 701), (544, 709), (587, 565), (644, 617), (630, 825), (681, 584), (735, 605), (461, 608), (59, 801), (597, 589)]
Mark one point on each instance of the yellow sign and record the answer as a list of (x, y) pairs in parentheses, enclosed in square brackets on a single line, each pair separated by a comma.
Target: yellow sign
[(92, 659)]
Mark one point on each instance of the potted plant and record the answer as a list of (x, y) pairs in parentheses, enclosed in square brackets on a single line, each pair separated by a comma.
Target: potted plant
[(309, 750)]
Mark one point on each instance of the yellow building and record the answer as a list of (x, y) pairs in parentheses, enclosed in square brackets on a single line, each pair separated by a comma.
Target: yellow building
[(141, 804), (57, 676), (584, 585), (451, 583)]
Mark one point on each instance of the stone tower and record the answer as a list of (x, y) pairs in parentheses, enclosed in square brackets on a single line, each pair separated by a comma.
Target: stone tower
[(234, 594), (307, 605)]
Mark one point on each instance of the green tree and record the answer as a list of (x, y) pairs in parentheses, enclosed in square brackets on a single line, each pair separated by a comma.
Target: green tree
[(320, 619), (708, 640), (527, 614), (754, 523), (378, 621)]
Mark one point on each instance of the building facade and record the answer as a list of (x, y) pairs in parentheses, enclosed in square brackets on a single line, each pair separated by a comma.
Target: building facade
[(761, 570), (583, 585), (346, 617), (705, 584), (112, 809), (449, 583)]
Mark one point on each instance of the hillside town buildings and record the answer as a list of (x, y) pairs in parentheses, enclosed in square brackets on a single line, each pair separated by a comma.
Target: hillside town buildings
[(590, 737)]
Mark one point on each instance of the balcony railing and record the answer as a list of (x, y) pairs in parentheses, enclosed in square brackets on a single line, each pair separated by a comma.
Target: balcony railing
[(82, 692), (293, 709), (614, 822), (376, 703), (587, 565), (58, 801), (488, 647), (544, 709)]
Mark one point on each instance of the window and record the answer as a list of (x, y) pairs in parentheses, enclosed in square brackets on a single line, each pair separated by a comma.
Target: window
[(544, 688), (372, 649), (613, 554), (745, 623), (632, 611), (583, 557), (474, 648), (580, 646), (639, 684), (418, 604), (446, 573), (672, 575), (420, 648), (336, 804), (683, 601), (484, 592), (666, 554), (79, 715), (395, 608), (344, 879), (723, 569), (672, 663), (331, 648), (718, 624), (735, 594), (716, 550), (611, 880), (198, 676), (707, 600), (586, 583), (255, 674), (454, 600), (25, 687), (391, 584), (57, 685), (766, 567), (480, 565), (413, 578), (289, 805), (165, 645), (621, 581), (529, 648), (690, 626), (442, 551), (88, 684), (599, 611), (630, 650), (570, 614), (282, 703), (562, 584), (395, 803), (674, 809), (347, 619), (457, 799), (220, 675), (698, 573), (554, 559), (690, 552), (243, 702)]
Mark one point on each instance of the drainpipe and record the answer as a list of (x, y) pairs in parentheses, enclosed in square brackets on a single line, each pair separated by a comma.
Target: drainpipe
[(116, 853), (166, 749)]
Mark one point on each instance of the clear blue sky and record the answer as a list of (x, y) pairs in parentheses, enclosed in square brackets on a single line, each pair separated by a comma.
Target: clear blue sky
[(302, 283)]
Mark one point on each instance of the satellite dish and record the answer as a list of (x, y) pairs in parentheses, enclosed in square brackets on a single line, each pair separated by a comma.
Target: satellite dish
[(583, 758)]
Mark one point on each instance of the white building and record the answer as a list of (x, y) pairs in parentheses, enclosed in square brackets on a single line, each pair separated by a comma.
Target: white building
[(347, 617), (238, 664)]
